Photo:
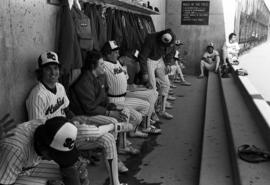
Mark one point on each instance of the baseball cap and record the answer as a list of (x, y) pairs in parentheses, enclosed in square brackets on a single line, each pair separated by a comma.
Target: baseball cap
[(58, 135), (48, 57), (210, 44), (109, 46), (167, 37)]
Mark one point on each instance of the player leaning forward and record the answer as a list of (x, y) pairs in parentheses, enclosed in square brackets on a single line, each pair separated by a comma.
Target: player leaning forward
[(152, 64), (26, 155), (48, 99)]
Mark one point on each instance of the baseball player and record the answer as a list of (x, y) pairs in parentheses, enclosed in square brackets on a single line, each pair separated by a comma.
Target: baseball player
[(231, 49), (46, 94), (129, 60), (88, 96), (117, 87), (25, 155), (152, 64), (176, 69), (210, 59)]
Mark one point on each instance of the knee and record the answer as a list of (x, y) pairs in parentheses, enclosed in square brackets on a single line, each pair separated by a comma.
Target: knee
[(147, 106)]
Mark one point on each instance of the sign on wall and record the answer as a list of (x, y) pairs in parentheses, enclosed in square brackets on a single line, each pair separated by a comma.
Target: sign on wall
[(195, 12)]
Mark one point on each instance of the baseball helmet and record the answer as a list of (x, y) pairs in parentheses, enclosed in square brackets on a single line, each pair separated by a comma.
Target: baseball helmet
[(58, 135)]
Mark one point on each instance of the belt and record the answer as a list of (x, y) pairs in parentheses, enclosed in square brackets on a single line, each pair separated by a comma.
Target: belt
[(117, 96)]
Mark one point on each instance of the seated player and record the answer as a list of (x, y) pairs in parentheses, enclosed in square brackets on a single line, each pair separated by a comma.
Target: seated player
[(210, 60), (48, 99)]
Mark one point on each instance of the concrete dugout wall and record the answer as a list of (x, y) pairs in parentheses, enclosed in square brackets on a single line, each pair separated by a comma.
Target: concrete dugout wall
[(27, 28)]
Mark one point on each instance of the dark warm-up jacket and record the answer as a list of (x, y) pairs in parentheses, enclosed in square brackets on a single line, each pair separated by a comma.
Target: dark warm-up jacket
[(89, 95), (152, 48)]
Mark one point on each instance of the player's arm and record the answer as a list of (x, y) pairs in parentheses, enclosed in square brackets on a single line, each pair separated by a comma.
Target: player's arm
[(6, 124), (86, 96), (204, 58), (69, 113), (144, 54), (11, 160), (35, 106)]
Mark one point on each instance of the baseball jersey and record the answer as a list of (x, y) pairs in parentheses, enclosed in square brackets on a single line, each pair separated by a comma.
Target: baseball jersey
[(212, 57), (232, 49), (116, 77), (44, 104), (18, 156)]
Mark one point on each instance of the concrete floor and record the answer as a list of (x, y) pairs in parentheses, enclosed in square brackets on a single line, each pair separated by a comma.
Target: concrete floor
[(172, 158)]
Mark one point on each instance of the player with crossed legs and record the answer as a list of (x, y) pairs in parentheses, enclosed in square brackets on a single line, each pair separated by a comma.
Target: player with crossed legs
[(48, 99), (117, 87), (88, 96)]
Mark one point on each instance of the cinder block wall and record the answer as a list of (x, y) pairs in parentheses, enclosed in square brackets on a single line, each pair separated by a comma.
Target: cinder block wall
[(26, 29), (196, 37)]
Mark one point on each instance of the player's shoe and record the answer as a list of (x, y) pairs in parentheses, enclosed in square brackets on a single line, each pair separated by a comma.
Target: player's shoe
[(168, 105), (165, 115), (155, 117), (121, 167), (129, 150), (138, 134), (152, 130), (185, 83), (171, 98)]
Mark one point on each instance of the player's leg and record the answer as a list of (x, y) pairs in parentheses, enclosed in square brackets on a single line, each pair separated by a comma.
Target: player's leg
[(136, 119), (107, 143), (151, 68), (181, 75), (150, 96), (164, 89), (205, 65), (139, 105)]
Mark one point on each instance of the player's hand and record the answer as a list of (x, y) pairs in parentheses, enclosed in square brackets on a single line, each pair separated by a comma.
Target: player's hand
[(148, 86), (79, 120), (168, 69), (115, 114), (145, 78), (6, 124), (124, 113)]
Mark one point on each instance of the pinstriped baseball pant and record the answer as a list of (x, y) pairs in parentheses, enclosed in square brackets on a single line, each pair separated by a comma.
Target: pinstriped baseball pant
[(46, 170), (156, 69), (150, 96), (137, 108)]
